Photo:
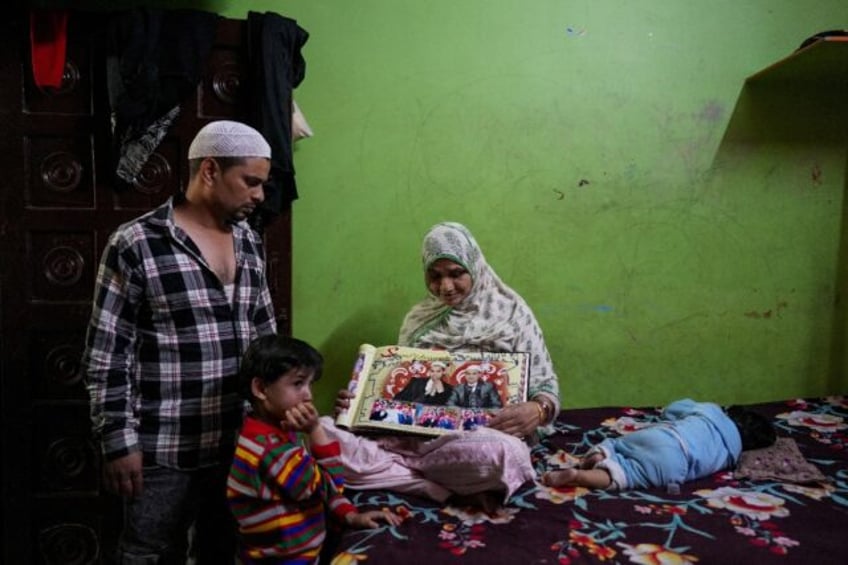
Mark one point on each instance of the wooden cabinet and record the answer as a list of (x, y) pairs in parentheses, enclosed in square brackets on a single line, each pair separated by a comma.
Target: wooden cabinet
[(57, 207)]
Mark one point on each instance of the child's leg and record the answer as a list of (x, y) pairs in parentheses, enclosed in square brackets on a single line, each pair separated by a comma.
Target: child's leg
[(583, 475), (559, 478), (591, 478)]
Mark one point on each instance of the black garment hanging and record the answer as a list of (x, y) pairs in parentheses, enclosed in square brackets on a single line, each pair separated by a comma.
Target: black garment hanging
[(155, 59), (277, 67)]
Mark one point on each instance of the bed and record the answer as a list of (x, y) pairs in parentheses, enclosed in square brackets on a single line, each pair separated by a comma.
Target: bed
[(725, 518)]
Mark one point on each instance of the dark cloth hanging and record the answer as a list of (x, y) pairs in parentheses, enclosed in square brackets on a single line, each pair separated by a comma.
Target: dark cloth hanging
[(276, 68), (48, 36), (155, 59)]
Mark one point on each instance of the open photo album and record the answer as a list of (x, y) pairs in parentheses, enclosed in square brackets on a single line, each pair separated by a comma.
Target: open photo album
[(431, 392)]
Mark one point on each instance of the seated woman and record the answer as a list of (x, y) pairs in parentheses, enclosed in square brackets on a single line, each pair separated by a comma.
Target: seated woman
[(469, 308), (429, 390)]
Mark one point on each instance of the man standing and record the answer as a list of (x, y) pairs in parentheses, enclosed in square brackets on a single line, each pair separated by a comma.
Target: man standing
[(180, 293)]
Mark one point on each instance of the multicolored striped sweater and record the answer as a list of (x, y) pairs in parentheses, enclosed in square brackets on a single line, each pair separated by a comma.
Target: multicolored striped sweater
[(279, 493)]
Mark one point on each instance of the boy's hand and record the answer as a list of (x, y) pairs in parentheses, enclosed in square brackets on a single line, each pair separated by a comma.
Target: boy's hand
[(369, 519), (302, 417)]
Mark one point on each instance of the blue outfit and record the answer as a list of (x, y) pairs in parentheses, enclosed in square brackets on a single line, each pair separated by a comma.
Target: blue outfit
[(695, 439)]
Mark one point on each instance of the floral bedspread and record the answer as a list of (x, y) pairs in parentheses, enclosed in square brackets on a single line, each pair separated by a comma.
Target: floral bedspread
[(718, 519)]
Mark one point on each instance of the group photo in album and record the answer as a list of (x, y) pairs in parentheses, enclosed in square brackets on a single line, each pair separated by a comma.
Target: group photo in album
[(431, 392)]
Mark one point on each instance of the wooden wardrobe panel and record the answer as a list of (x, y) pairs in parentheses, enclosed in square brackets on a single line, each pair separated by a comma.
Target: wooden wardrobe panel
[(58, 204)]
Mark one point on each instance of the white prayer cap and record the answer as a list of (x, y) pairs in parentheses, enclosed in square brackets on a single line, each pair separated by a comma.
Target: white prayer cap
[(226, 138)]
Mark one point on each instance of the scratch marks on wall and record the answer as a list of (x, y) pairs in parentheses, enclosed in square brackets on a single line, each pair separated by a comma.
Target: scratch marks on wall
[(694, 132), (708, 121), (559, 194), (677, 322), (770, 313), (571, 31)]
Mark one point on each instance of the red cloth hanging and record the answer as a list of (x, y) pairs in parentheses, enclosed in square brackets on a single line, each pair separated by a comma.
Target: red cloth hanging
[(48, 33)]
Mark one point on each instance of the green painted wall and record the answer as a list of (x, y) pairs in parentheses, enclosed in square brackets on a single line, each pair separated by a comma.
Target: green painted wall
[(589, 146)]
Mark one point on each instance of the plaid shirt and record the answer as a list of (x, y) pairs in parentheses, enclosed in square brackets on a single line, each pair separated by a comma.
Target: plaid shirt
[(164, 343)]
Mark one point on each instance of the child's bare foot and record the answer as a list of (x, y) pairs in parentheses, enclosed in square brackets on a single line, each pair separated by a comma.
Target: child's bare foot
[(565, 477), (591, 460)]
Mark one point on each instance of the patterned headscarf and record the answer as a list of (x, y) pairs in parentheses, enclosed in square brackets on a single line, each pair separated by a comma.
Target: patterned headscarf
[(493, 317)]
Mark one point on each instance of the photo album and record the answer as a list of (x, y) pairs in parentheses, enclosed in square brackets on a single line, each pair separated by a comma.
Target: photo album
[(431, 392)]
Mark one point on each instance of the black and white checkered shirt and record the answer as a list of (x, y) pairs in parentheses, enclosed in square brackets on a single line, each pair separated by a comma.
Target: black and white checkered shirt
[(164, 343)]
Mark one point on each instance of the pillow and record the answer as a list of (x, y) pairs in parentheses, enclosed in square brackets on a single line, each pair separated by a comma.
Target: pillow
[(780, 462)]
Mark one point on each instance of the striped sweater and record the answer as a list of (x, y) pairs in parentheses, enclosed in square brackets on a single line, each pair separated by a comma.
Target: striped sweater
[(279, 493)]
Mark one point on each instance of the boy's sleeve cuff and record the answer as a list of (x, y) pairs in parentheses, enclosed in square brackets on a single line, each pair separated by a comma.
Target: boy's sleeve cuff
[(327, 450)]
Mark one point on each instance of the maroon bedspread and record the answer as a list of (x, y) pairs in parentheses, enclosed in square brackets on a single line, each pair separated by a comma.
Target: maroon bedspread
[(714, 520)]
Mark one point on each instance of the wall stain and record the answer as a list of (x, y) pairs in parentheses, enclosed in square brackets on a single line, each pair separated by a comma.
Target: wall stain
[(559, 194), (583, 182), (602, 308), (816, 174), (713, 111), (776, 312)]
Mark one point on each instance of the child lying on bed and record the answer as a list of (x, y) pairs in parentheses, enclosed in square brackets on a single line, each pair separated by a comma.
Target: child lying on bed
[(693, 440)]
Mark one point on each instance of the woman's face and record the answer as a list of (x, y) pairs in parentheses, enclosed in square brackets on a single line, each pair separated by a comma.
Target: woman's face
[(448, 281)]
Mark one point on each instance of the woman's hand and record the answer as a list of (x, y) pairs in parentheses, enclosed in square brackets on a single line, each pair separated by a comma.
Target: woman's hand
[(342, 401), (519, 420), (371, 518)]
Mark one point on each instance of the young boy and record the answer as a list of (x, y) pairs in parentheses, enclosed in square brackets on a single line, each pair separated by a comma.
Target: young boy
[(281, 488), (694, 440)]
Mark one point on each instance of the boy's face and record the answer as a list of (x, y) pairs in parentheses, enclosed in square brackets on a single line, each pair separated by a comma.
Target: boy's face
[(437, 372), (293, 388)]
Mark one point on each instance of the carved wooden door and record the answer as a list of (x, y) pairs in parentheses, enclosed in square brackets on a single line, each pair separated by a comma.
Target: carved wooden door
[(57, 207)]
